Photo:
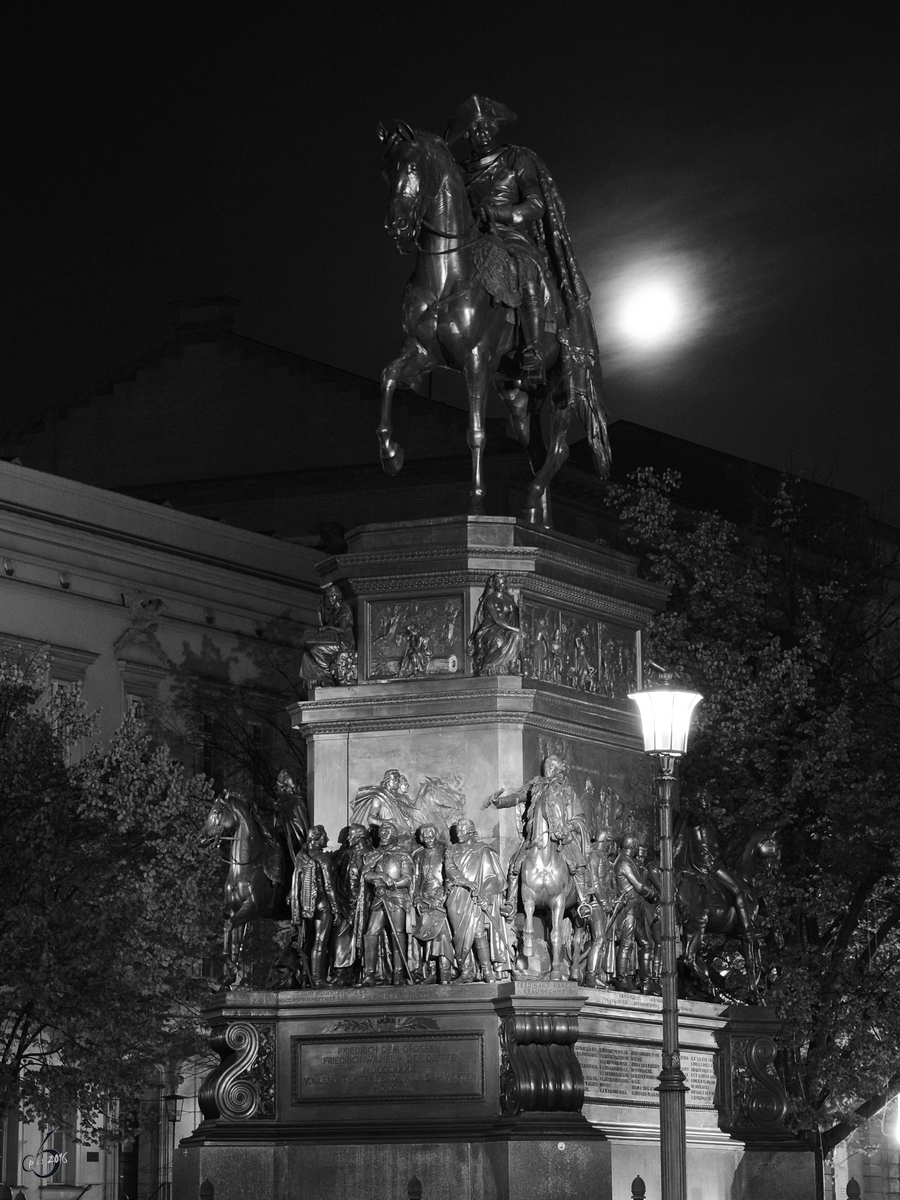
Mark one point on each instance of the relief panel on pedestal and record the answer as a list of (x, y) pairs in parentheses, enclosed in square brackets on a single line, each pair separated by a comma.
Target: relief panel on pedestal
[(574, 650), (415, 639)]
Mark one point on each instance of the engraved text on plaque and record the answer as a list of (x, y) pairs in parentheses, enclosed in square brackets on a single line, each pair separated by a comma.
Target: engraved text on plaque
[(398, 1068)]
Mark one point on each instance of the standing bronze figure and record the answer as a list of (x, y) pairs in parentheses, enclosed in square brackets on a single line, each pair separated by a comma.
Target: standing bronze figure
[(634, 949), (496, 293), (434, 960), (315, 906), (474, 891), (389, 872)]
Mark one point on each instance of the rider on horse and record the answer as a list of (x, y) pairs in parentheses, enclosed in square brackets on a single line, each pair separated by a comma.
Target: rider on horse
[(698, 852), (550, 796), (510, 188)]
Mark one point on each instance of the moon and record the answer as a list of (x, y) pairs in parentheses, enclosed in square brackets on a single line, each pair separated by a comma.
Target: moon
[(654, 305), (651, 313)]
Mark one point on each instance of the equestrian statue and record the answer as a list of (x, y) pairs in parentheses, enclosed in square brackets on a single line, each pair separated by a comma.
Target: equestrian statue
[(496, 293)]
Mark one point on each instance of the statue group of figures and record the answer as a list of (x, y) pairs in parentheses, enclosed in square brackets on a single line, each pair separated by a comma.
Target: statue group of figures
[(423, 905), (412, 895)]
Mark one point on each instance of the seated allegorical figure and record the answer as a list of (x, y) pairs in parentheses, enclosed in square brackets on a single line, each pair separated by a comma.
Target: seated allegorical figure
[(496, 640), (330, 655)]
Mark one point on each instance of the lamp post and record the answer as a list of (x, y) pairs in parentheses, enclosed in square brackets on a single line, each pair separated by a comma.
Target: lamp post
[(174, 1108), (665, 712)]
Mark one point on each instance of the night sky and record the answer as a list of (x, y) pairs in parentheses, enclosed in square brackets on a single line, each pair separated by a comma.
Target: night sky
[(744, 155)]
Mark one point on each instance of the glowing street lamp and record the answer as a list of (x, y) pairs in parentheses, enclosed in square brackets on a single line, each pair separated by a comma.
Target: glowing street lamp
[(665, 712)]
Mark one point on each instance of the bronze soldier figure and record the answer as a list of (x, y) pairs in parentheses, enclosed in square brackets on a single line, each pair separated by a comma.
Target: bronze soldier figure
[(632, 890), (314, 901), (432, 931), (388, 871), (602, 893), (348, 865)]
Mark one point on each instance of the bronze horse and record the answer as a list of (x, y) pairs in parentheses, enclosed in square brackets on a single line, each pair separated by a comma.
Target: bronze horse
[(255, 885), (452, 320)]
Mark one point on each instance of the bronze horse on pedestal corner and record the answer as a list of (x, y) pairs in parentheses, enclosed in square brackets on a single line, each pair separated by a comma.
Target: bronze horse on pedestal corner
[(706, 907), (255, 886), (451, 320)]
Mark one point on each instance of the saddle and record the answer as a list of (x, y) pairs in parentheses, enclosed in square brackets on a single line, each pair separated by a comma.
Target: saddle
[(496, 271)]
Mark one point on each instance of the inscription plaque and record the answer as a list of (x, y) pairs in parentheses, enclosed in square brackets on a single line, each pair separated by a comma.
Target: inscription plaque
[(617, 1071), (337, 1069)]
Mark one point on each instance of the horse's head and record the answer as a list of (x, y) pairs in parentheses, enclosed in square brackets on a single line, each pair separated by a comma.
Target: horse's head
[(413, 173), (221, 820)]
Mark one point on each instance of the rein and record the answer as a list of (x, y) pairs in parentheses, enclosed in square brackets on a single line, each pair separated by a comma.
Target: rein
[(231, 860), (465, 241)]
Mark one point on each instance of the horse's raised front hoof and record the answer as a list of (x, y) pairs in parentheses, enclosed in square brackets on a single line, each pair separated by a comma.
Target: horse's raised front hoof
[(391, 458)]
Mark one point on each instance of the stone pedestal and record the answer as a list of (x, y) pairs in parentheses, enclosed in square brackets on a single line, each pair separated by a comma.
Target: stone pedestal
[(520, 1091), (504, 1091), (582, 608), (474, 1090), (737, 1143)]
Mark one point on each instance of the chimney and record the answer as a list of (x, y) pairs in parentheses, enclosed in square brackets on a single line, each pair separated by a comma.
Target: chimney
[(204, 319)]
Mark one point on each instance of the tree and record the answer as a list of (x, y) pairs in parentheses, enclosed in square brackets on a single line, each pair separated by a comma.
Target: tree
[(232, 711), (789, 627), (107, 906)]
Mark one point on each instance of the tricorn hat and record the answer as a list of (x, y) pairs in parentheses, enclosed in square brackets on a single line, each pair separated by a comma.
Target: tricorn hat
[(476, 108)]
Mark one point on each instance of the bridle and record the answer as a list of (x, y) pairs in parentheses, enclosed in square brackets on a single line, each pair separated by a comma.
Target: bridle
[(465, 239)]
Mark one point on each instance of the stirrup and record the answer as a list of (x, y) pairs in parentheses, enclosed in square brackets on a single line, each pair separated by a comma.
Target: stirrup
[(533, 362)]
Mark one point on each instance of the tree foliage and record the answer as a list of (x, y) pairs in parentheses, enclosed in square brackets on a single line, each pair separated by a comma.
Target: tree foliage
[(232, 711), (789, 628), (106, 905)]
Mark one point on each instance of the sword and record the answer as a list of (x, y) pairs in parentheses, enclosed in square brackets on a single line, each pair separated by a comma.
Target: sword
[(393, 934)]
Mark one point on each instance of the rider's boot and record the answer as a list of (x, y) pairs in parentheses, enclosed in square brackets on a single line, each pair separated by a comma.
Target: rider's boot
[(531, 319), (624, 978), (318, 969), (483, 956), (746, 923), (645, 970), (467, 971), (370, 960), (593, 964)]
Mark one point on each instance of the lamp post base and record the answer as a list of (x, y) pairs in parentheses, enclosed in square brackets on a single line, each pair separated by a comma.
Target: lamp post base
[(672, 1133)]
